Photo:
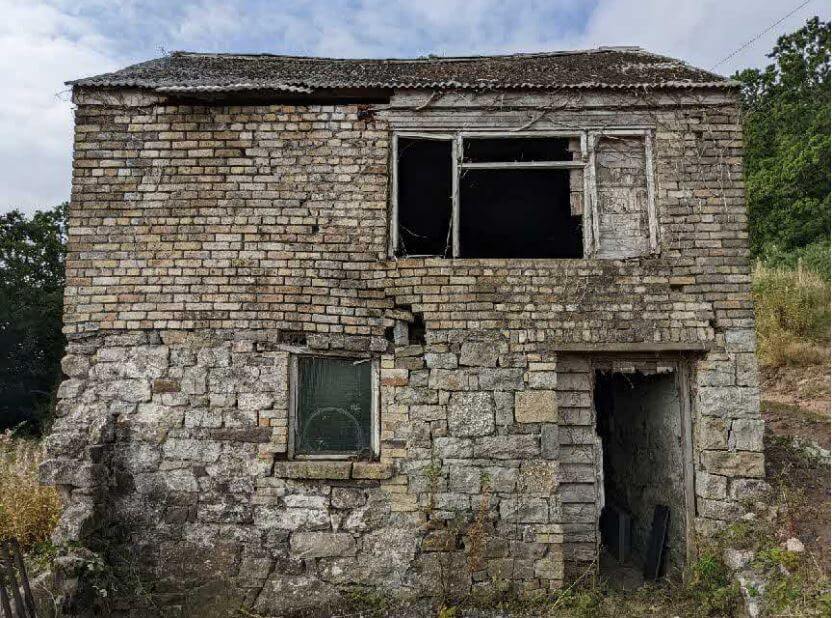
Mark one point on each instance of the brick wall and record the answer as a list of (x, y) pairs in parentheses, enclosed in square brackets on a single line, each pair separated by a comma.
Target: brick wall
[(209, 243)]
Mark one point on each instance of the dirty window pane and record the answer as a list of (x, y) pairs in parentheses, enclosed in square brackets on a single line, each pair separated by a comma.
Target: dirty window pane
[(333, 406), (424, 199), (515, 149)]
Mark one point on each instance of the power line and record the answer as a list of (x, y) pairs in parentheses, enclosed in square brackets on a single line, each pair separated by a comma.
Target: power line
[(757, 37)]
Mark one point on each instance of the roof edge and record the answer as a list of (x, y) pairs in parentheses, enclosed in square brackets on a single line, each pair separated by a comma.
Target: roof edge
[(430, 58)]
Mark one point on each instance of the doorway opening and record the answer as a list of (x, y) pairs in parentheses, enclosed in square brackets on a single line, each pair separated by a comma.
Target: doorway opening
[(643, 519)]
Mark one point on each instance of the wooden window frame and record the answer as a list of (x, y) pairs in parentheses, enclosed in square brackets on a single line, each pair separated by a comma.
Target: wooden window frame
[(647, 134), (588, 140), (375, 394)]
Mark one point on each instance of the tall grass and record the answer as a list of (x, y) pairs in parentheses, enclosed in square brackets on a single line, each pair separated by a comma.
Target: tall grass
[(792, 309), (28, 510)]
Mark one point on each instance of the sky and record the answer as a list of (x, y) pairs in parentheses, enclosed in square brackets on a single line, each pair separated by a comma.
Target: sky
[(46, 42)]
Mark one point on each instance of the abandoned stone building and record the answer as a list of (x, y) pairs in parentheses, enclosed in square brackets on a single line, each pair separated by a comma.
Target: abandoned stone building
[(408, 327)]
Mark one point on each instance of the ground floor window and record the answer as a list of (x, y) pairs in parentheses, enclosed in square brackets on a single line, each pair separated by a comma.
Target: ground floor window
[(333, 407)]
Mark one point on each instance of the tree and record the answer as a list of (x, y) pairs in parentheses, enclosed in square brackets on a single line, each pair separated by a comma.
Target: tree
[(786, 110), (32, 255)]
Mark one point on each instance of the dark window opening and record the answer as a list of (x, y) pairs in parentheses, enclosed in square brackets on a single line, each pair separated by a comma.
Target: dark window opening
[(515, 149), (424, 196), (511, 213), (333, 407)]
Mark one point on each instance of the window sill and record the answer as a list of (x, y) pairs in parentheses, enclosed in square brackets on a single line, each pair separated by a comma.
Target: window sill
[(333, 470)]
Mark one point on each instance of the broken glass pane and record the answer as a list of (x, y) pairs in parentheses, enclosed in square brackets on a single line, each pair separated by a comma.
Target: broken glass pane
[(333, 406)]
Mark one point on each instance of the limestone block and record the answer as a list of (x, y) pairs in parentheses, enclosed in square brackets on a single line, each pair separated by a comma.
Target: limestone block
[(713, 433), (729, 402), (504, 412), (312, 469), (507, 447), (439, 540), (347, 497), (747, 370), (291, 594), (203, 451), (524, 510), (747, 489), (128, 389), (448, 379), (471, 414), (269, 517), (734, 463), (502, 479), (538, 478), (254, 401), (305, 545), (465, 479), (501, 379), (75, 366), (394, 377), (543, 379), (741, 341), (535, 407), (479, 354), (444, 360), (372, 470), (549, 441), (711, 486), (70, 389), (165, 385), (549, 568), (746, 435), (453, 448), (194, 380)]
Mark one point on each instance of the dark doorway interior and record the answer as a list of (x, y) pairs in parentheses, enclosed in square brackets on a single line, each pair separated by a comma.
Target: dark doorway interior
[(640, 424)]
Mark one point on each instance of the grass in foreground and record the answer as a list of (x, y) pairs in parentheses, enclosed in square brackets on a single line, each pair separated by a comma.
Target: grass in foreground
[(792, 310), (28, 511)]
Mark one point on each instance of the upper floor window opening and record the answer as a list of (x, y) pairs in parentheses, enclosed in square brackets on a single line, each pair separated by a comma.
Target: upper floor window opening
[(524, 195)]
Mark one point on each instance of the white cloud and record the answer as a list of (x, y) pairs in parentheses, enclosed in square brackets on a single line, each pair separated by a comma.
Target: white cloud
[(40, 48), (45, 42), (702, 32)]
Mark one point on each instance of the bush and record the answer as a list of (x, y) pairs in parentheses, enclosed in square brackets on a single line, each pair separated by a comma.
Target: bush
[(28, 511), (813, 258), (792, 309)]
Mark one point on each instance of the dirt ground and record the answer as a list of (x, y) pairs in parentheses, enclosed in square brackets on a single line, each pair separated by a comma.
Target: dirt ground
[(796, 410)]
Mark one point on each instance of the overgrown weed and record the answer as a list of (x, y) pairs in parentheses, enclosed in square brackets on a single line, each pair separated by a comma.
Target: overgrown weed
[(29, 511), (792, 310)]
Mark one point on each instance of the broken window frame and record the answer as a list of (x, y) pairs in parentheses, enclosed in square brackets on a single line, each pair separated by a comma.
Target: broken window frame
[(593, 136), (588, 137), (294, 392)]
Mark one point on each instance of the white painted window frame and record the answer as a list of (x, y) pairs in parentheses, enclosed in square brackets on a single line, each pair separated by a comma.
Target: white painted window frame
[(375, 404), (588, 140)]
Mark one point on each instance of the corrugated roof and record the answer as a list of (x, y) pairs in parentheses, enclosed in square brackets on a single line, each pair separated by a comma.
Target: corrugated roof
[(613, 67)]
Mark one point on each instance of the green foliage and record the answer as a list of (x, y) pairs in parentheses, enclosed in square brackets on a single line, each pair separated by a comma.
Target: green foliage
[(32, 252), (813, 258), (786, 126), (711, 586), (792, 311)]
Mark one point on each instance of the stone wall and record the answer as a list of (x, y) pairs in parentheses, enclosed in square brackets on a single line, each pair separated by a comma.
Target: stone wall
[(209, 243)]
